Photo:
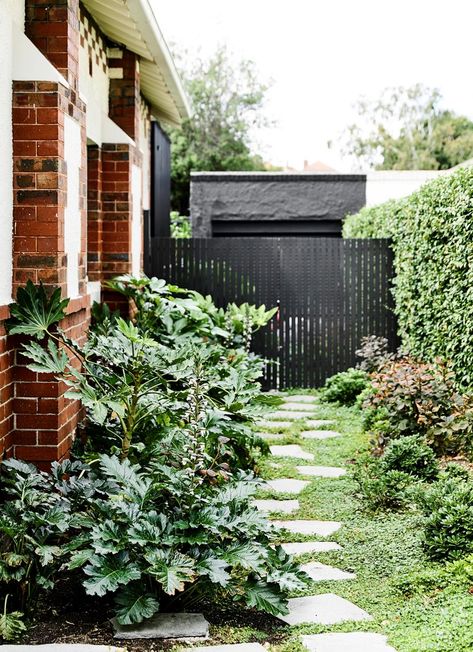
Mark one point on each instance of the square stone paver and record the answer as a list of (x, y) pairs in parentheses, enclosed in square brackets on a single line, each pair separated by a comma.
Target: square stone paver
[(277, 425), (161, 625), (291, 450), (321, 572), (302, 547), (282, 506), (319, 434), (271, 435), (301, 407), (238, 647), (353, 642), (301, 398), (288, 414), (320, 528), (318, 423), (324, 609), (321, 471), (286, 485)]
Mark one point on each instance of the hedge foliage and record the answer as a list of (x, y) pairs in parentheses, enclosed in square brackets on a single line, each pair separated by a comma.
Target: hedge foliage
[(432, 233)]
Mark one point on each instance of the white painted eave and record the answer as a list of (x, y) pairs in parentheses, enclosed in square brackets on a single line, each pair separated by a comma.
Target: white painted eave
[(132, 24)]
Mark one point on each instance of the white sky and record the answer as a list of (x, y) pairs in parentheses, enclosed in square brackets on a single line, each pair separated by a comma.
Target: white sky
[(323, 54)]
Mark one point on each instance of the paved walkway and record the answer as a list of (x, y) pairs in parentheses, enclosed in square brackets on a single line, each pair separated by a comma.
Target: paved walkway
[(318, 608)]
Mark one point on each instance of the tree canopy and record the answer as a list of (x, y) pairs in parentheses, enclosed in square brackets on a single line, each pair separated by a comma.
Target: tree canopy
[(406, 129), (227, 100)]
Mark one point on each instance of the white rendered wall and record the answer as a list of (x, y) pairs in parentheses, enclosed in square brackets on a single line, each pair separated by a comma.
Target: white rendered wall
[(6, 171), (72, 216), (136, 226), (144, 143), (93, 88), (394, 184)]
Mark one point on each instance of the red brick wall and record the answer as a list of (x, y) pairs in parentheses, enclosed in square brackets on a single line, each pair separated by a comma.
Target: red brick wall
[(125, 93), (6, 388), (94, 212)]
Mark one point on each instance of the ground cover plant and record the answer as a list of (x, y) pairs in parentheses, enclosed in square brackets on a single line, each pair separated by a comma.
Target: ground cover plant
[(156, 509)]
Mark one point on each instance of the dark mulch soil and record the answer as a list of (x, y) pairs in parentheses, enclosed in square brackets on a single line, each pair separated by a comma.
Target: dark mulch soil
[(70, 617)]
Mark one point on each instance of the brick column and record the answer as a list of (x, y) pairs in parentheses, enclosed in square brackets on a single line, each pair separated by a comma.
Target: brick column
[(44, 421), (125, 91), (94, 213)]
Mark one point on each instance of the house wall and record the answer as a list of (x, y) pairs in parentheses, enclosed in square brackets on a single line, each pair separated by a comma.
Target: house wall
[(61, 157), (265, 203)]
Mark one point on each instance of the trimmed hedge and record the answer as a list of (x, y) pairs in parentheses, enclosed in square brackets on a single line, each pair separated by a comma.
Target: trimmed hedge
[(432, 232)]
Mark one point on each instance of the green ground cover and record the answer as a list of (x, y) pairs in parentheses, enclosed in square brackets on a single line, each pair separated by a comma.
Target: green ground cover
[(410, 599)]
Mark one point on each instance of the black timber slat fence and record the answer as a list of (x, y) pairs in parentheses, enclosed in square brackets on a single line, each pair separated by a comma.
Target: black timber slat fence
[(330, 292)]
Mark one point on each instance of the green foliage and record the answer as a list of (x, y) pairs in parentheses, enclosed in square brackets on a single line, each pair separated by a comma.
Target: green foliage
[(162, 511), (411, 397), (405, 129), (227, 99), (344, 387), (11, 623), (380, 488), (34, 312), (411, 455), (181, 227), (432, 234), (448, 529), (374, 353), (374, 221)]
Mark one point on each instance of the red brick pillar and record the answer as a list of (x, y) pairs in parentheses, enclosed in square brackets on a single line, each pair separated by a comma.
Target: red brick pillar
[(44, 420), (94, 213), (125, 91)]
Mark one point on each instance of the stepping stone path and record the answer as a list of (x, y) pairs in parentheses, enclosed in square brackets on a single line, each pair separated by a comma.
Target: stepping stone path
[(318, 423), (321, 471), (279, 425), (291, 450), (281, 506), (321, 528), (353, 642), (310, 546), (288, 414), (320, 572), (324, 609), (287, 486), (161, 625), (319, 434)]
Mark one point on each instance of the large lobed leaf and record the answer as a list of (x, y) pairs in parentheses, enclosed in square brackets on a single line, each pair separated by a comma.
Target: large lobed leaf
[(34, 312)]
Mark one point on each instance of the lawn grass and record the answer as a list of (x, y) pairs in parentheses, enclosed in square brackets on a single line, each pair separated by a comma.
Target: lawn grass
[(382, 549)]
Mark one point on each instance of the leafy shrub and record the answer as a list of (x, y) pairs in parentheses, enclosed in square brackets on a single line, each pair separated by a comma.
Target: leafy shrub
[(160, 506), (432, 232), (380, 487), (181, 227), (420, 398), (344, 387), (412, 456), (374, 353), (374, 221), (448, 529)]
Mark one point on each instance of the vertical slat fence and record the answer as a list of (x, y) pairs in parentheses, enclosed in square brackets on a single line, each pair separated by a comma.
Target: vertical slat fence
[(331, 293)]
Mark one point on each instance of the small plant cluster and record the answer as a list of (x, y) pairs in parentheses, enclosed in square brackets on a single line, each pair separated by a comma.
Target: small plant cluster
[(156, 507), (345, 387), (181, 227), (417, 418)]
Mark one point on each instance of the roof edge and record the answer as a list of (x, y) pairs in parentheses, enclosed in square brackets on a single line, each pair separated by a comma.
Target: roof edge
[(143, 14)]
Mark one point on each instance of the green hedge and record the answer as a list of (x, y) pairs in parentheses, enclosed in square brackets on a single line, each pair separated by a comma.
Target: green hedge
[(432, 233)]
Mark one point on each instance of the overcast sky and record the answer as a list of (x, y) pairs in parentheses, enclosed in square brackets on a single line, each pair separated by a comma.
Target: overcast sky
[(323, 54)]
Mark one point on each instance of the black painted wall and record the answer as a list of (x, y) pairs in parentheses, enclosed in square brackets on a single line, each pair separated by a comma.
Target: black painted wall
[(273, 204)]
